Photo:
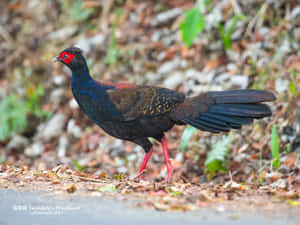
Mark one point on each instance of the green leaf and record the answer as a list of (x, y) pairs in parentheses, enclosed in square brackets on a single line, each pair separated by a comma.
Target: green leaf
[(226, 35), (193, 24), (292, 87), (77, 13), (275, 147), (120, 176), (215, 160), (175, 193), (113, 52), (33, 103), (12, 116), (78, 166), (107, 188), (186, 136)]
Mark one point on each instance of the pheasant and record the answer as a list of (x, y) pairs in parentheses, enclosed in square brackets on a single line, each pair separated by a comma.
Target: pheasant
[(135, 113)]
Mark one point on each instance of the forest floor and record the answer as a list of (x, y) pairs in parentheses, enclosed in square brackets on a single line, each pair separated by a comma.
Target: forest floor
[(177, 196)]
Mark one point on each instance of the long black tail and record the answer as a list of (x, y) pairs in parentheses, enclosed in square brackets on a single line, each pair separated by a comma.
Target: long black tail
[(223, 110)]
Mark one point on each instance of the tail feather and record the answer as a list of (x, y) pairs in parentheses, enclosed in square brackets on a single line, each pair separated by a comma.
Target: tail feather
[(199, 125), (212, 125), (243, 110), (229, 119), (223, 110), (241, 96), (210, 119)]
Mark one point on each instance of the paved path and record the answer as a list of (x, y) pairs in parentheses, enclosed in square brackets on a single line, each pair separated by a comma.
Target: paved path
[(34, 208)]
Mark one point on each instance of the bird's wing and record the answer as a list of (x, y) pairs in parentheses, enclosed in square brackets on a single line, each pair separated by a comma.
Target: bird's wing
[(144, 101)]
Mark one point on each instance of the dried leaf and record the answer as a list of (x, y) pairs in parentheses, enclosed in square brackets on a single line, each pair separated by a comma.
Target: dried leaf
[(71, 188)]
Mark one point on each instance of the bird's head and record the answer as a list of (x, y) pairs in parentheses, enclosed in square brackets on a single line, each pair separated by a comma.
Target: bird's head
[(72, 57)]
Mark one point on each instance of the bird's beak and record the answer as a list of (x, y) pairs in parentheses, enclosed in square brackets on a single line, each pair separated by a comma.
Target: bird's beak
[(55, 59)]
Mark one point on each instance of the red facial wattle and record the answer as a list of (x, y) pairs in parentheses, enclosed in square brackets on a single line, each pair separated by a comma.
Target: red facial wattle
[(66, 57)]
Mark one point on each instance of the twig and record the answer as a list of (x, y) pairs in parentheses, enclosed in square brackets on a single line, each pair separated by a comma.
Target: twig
[(104, 17), (230, 176), (257, 20), (88, 179), (6, 36)]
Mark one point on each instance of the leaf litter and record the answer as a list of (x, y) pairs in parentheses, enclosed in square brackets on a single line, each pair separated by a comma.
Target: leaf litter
[(263, 53), (177, 196)]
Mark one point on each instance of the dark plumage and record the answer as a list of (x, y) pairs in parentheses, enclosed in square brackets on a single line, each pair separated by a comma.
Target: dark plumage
[(135, 113)]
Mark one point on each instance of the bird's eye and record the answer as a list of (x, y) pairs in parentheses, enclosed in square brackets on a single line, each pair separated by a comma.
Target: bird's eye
[(66, 56)]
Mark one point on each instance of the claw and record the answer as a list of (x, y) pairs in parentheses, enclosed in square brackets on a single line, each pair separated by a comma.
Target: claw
[(170, 168), (143, 166), (139, 176), (168, 178)]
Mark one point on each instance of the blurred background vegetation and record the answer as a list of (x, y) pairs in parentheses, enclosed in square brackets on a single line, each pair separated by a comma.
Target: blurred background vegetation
[(185, 45)]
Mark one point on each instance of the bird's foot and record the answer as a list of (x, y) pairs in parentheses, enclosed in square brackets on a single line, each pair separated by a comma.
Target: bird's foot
[(138, 177), (168, 178)]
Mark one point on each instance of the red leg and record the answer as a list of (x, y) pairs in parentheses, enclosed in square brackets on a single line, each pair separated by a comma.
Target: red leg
[(168, 163), (144, 164)]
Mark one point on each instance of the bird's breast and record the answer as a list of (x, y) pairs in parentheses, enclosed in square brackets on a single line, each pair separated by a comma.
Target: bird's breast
[(96, 105)]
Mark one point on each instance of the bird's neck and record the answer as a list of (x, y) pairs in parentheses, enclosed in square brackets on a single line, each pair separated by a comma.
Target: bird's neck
[(81, 76)]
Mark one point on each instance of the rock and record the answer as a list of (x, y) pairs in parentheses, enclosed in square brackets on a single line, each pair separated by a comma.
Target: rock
[(184, 63), (122, 169), (237, 34), (197, 89), (63, 34), (296, 33), (169, 66), (230, 81), (117, 149), (54, 127), (17, 142), (274, 176), (296, 144), (264, 31), (297, 179), (201, 77), (288, 133), (87, 43), (132, 157), (280, 183), (168, 38), (73, 104), (295, 14), (239, 81), (62, 146), (133, 18), (254, 51), (74, 129), (233, 55), (56, 95), (35, 149), (281, 85), (174, 80), (165, 17), (156, 35), (223, 78), (59, 80), (232, 68), (179, 157), (212, 18), (283, 49), (297, 116)]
